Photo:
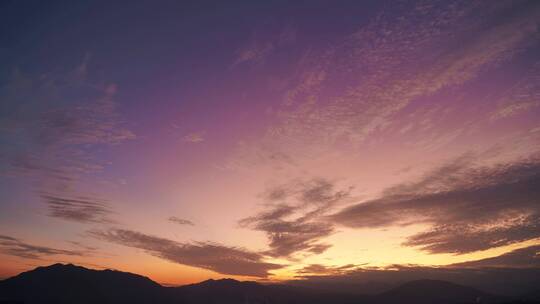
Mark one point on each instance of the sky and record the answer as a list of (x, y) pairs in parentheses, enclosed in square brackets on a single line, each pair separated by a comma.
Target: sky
[(270, 140)]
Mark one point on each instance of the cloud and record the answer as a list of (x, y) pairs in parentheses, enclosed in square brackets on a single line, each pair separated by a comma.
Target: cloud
[(254, 52), (521, 98), (211, 256), (513, 273), (257, 50), (195, 137), (319, 269), (80, 209), (179, 221), (16, 247), (92, 123), (297, 227), (51, 124), (476, 236), (527, 257), (248, 155), (350, 91), (83, 246), (470, 207)]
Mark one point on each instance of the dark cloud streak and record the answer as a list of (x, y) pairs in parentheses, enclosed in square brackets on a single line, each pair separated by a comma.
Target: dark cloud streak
[(470, 207), (527, 257), (219, 258), (179, 221), (15, 247), (82, 210), (297, 227)]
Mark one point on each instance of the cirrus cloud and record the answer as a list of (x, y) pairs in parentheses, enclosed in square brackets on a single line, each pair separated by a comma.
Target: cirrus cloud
[(16, 247), (78, 209), (179, 221), (219, 258), (297, 226)]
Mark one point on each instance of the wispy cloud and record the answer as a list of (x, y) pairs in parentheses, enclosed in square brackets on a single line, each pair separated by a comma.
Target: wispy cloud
[(258, 49), (527, 257), (470, 207), (211, 256), (180, 221), (195, 137), (16, 247), (53, 122), (319, 269), (78, 209), (523, 97), (358, 86), (297, 227), (254, 52)]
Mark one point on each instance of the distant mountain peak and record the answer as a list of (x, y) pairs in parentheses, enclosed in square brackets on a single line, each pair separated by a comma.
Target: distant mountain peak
[(430, 282), (221, 280), (70, 271), (68, 283), (436, 291), (59, 265), (225, 282)]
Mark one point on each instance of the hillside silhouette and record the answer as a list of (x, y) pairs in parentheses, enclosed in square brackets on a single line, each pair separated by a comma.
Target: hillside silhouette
[(61, 283), (434, 291)]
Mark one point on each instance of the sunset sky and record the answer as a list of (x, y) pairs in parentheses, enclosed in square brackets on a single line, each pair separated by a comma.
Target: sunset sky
[(269, 140)]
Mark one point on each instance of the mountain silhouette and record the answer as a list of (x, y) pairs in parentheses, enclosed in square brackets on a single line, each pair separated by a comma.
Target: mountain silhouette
[(434, 291), (61, 283)]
